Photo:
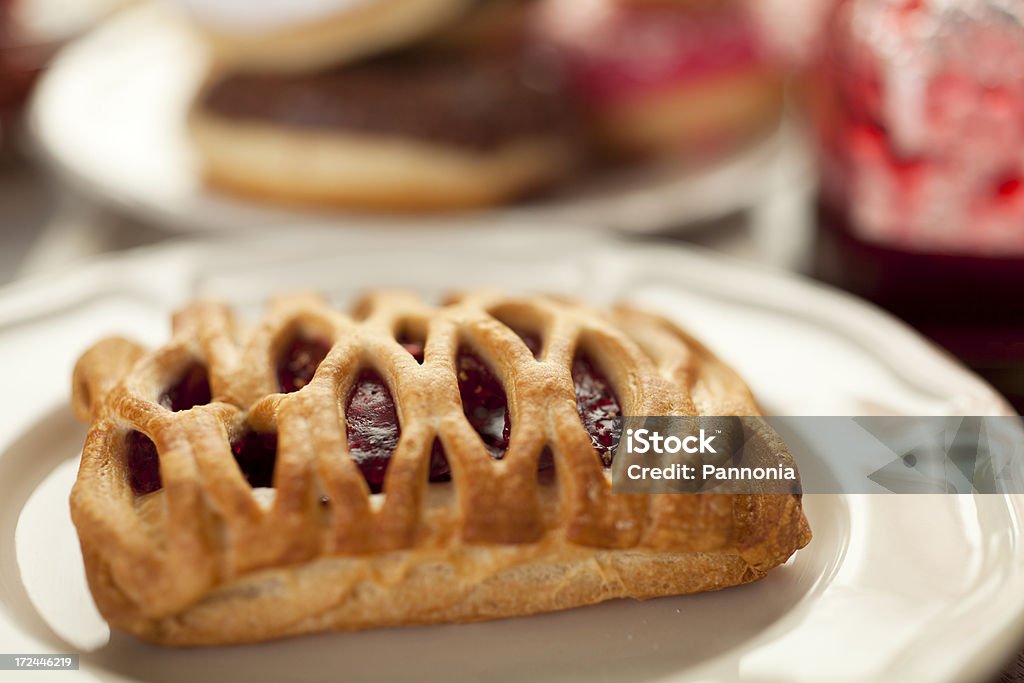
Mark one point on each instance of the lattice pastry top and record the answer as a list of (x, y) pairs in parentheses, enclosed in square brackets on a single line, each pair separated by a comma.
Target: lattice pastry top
[(405, 464)]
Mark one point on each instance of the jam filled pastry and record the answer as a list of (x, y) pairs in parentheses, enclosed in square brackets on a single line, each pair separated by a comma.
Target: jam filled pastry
[(406, 464)]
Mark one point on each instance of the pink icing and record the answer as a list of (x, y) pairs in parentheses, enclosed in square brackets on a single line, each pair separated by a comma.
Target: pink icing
[(616, 52)]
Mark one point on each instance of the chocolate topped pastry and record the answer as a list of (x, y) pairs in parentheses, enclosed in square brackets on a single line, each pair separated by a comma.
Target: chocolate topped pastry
[(468, 117), (437, 98)]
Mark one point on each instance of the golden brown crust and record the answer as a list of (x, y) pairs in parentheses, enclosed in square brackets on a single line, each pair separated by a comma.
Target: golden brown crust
[(477, 584), (728, 108), (209, 560), (294, 166)]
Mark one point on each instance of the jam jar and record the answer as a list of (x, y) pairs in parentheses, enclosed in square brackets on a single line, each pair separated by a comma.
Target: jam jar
[(919, 111)]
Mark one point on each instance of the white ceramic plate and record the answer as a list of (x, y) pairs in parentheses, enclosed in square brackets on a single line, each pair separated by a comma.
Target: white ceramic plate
[(892, 588), (110, 117)]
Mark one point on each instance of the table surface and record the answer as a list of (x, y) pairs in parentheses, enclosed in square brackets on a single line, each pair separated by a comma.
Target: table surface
[(44, 229)]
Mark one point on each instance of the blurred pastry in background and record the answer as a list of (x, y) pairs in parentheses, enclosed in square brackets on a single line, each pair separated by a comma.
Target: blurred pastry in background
[(303, 35), (446, 123), (412, 131), (665, 77), (457, 104)]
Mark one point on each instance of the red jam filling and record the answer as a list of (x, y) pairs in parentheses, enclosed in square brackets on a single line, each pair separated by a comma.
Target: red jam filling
[(532, 341), (143, 464), (373, 429), (298, 362), (192, 389), (439, 469), (546, 475), (598, 408), (484, 403), (546, 460), (415, 347), (256, 455)]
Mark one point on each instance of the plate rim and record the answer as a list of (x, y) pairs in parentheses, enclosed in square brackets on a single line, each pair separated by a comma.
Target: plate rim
[(32, 296)]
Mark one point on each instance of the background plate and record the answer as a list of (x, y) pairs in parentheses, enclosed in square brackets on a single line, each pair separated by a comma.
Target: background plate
[(892, 588), (110, 117)]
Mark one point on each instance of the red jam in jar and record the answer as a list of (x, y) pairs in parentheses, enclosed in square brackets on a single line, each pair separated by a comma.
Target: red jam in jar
[(919, 109)]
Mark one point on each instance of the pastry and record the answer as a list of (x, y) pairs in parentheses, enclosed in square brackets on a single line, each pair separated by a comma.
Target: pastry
[(664, 77), (458, 115), (407, 464), (304, 35), (420, 130)]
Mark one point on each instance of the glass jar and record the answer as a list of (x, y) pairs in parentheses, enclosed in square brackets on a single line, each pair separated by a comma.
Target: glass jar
[(919, 109)]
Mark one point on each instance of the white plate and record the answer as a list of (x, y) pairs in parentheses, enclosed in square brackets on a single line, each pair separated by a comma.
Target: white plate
[(109, 116), (892, 588)]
